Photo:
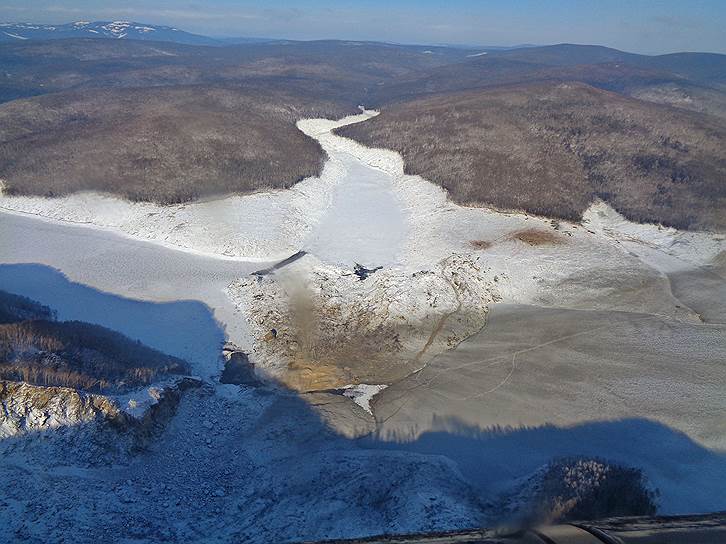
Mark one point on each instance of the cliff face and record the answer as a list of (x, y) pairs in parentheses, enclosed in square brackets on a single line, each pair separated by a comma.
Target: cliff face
[(27, 408), (61, 415)]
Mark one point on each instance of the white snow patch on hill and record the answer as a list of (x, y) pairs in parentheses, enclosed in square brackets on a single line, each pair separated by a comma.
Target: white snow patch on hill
[(15, 36), (665, 248)]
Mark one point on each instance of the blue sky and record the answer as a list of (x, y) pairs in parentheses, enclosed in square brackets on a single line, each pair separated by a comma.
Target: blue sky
[(653, 26)]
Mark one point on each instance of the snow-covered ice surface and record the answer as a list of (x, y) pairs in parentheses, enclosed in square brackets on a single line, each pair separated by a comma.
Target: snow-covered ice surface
[(266, 226), (362, 394), (364, 223), (596, 322), (538, 382), (667, 249)]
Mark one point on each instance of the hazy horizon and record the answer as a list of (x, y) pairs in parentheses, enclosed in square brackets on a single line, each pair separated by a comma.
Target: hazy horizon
[(638, 26)]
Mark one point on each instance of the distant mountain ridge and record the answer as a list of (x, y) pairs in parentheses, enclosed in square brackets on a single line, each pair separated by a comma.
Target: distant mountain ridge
[(17, 32)]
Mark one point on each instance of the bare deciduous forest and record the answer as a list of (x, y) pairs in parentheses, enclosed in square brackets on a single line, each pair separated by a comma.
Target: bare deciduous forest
[(552, 149), (15, 308), (162, 145), (41, 351)]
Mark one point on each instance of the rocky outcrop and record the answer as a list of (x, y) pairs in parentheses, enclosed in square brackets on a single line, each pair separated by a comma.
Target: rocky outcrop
[(580, 488), (154, 419), (238, 370), (60, 414), (29, 408)]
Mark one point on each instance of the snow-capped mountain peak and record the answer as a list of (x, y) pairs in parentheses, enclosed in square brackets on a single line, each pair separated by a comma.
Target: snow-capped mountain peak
[(10, 32)]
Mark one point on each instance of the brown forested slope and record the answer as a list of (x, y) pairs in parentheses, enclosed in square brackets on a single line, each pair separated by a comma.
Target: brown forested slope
[(554, 148), (161, 144), (39, 350)]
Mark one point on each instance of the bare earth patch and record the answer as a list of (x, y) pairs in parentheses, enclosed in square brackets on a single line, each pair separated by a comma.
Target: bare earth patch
[(332, 329), (536, 237), (480, 244)]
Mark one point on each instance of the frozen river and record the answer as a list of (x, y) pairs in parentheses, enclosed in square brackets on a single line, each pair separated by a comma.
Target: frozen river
[(365, 223)]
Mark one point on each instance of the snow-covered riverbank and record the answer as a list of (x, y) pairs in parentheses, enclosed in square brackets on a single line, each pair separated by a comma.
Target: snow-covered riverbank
[(265, 226), (362, 207)]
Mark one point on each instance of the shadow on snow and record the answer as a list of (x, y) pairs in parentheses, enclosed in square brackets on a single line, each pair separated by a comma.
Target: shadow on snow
[(285, 434)]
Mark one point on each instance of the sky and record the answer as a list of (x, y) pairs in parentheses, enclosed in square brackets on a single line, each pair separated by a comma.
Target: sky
[(642, 26)]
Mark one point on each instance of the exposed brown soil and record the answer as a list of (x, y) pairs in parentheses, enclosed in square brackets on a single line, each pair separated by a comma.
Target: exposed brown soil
[(536, 237), (480, 244)]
